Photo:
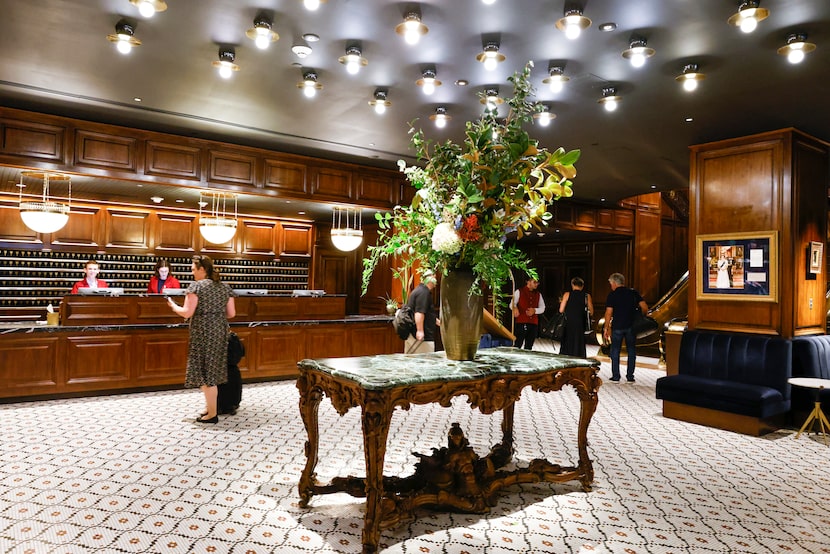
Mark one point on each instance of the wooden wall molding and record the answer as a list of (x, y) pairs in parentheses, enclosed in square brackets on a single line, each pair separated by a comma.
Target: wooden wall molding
[(29, 139)]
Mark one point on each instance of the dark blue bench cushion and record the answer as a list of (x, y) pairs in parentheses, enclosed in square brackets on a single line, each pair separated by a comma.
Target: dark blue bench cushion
[(741, 374), (724, 396), (811, 358)]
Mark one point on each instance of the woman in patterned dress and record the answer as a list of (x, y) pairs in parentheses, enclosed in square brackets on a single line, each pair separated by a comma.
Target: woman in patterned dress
[(209, 304)]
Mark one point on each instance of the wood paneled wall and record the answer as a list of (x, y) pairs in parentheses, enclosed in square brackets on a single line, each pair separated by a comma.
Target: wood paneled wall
[(771, 181)]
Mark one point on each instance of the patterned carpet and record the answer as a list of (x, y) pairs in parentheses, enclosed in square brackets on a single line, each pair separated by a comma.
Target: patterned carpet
[(133, 473)]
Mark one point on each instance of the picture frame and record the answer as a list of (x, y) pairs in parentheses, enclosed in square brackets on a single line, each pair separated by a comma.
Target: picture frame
[(738, 266), (815, 258)]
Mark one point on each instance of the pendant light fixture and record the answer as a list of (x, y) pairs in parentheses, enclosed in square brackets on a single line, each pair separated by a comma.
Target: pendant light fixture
[(490, 56), (748, 16), (796, 48), (557, 79), (428, 82), (609, 99), (638, 52), (346, 228), (217, 216), (690, 77), (261, 33), (47, 214), (491, 99), (380, 103), (309, 84), (148, 8), (544, 117), (353, 60), (412, 29), (440, 117), (123, 37), (225, 64), (573, 23)]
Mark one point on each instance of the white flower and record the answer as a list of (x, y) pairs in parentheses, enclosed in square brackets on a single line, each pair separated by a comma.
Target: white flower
[(445, 239)]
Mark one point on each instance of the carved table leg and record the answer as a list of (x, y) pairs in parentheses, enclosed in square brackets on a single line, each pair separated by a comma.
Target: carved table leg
[(377, 415), (310, 397), (587, 406), (507, 426)]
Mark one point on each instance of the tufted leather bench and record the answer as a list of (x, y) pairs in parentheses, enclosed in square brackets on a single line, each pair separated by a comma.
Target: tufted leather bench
[(730, 381)]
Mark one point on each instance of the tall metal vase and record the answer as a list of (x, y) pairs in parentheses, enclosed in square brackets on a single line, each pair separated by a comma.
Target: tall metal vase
[(461, 315)]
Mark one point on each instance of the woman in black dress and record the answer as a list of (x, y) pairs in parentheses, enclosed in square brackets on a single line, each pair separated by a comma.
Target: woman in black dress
[(573, 304)]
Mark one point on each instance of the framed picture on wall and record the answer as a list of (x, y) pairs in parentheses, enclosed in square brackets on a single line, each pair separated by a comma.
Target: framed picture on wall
[(816, 258), (738, 266)]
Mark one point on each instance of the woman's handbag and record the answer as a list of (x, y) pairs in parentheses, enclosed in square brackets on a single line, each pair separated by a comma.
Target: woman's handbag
[(643, 325), (555, 328), (589, 326)]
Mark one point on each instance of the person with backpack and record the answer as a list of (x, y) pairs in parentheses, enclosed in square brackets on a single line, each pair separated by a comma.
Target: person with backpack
[(426, 320)]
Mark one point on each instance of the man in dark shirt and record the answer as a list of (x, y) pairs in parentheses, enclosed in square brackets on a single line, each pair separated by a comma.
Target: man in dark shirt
[(620, 306), (426, 320)]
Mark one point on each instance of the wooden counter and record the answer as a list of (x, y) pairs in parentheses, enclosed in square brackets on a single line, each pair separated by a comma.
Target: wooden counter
[(40, 361), (153, 309)]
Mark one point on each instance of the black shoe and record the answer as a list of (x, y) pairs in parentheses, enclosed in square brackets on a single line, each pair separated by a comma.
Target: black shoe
[(614, 380), (631, 380), (214, 419), (228, 411)]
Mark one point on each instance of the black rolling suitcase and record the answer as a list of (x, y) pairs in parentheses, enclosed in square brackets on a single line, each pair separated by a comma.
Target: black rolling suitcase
[(230, 393)]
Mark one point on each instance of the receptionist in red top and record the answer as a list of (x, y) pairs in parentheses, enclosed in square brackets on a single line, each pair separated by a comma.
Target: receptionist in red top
[(162, 279), (90, 279)]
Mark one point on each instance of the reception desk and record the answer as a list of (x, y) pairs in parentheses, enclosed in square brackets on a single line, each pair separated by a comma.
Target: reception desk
[(131, 343), (82, 310)]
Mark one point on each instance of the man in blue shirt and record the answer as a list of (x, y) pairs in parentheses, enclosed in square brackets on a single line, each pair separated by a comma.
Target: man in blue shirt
[(620, 307)]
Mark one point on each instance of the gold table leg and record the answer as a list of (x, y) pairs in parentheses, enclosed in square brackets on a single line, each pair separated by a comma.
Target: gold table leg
[(824, 425)]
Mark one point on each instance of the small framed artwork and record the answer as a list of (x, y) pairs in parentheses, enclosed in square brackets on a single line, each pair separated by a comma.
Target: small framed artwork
[(816, 258), (738, 266)]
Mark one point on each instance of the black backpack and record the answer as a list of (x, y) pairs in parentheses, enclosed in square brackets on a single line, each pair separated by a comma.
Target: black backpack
[(404, 322)]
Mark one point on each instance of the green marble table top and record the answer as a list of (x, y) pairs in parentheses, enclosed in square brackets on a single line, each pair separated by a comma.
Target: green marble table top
[(395, 370)]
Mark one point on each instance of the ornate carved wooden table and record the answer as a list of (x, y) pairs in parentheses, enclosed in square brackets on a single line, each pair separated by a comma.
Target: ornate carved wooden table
[(454, 477)]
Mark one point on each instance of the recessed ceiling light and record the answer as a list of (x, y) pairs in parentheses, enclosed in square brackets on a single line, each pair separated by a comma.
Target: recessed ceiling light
[(137, 99), (301, 50), (311, 37), (300, 213), (654, 186), (607, 27), (462, 82), (179, 200), (689, 119), (157, 199)]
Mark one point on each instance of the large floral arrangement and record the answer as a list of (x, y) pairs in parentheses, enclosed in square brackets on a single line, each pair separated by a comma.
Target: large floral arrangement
[(471, 197)]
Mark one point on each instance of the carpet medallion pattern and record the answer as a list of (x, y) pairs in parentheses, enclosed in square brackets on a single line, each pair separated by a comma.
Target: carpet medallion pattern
[(134, 473)]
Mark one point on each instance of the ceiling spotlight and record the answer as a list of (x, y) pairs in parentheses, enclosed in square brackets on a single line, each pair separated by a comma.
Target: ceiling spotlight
[(796, 48), (748, 16), (123, 37), (353, 60), (573, 23), (380, 103), (309, 84), (225, 63), (488, 2), (312, 5), (544, 117), (440, 117), (261, 33), (490, 57), (301, 50), (412, 29), (148, 8), (609, 99), (690, 77), (491, 100), (557, 78), (638, 52), (428, 82), (157, 199)]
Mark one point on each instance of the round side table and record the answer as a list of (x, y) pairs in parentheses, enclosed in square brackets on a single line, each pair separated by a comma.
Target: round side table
[(817, 385)]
